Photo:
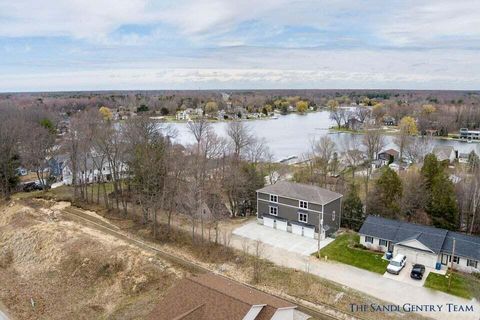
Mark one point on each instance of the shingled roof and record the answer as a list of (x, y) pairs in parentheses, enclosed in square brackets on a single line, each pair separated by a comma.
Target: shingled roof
[(211, 297), (438, 240), (301, 191)]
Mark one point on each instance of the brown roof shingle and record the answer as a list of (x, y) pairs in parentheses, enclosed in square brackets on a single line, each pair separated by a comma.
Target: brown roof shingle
[(211, 297)]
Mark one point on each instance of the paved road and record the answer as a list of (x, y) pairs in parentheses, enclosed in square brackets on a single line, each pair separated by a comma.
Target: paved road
[(373, 284)]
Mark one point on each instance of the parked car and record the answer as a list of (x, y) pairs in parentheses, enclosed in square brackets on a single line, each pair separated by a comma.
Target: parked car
[(417, 271), (33, 186), (396, 264)]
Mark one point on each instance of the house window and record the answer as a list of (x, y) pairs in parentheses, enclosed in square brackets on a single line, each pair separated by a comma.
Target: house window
[(274, 211), (456, 259), (273, 198), (382, 242), (472, 263), (303, 217), (368, 239), (333, 216), (303, 204)]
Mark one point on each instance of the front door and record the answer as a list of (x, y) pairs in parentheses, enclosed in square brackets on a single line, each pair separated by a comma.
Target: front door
[(445, 259), (390, 246)]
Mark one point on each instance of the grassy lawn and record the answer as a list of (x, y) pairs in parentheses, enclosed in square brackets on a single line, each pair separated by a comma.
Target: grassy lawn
[(463, 285), (342, 250)]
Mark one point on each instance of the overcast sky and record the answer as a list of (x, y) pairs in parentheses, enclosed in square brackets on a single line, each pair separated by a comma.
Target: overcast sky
[(219, 44)]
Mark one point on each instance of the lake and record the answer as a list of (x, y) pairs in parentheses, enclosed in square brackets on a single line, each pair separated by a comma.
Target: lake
[(291, 134)]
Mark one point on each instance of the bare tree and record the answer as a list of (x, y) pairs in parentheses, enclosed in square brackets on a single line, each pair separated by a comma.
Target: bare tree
[(36, 152), (239, 136)]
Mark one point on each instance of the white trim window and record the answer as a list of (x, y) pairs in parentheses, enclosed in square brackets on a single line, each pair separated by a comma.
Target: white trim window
[(472, 263), (456, 259), (273, 198), (303, 217), (303, 204), (368, 239), (382, 242), (333, 215), (273, 211)]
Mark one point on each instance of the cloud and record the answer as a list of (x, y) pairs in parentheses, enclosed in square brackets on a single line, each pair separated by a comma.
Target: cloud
[(76, 18), (247, 68), (108, 44), (434, 23)]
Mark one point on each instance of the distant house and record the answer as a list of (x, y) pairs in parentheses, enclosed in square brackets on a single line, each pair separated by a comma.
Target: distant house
[(221, 115), (354, 124), (422, 244), (466, 134), (182, 115), (212, 297), (94, 169), (388, 156), (389, 121), (299, 208), (463, 157), (444, 153)]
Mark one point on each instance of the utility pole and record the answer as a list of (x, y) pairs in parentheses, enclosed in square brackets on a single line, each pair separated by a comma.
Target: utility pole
[(320, 229), (451, 265)]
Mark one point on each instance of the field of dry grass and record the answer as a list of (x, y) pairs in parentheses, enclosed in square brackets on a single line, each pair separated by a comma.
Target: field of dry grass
[(53, 268)]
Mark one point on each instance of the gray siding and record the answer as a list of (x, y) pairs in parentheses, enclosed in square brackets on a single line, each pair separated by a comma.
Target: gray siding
[(290, 202), (328, 215), (314, 206), (288, 209), (263, 196)]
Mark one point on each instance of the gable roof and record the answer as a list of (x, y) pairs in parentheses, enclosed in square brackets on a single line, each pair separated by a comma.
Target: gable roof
[(399, 231), (301, 191), (394, 153), (465, 245), (208, 297), (443, 152), (438, 240)]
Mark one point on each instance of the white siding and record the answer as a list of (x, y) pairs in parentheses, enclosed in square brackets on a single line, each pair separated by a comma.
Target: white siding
[(373, 246)]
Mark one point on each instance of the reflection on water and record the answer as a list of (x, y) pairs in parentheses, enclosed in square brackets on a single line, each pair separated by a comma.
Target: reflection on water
[(291, 134)]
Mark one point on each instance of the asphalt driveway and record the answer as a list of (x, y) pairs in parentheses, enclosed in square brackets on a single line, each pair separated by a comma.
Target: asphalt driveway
[(280, 239), (404, 276), (373, 284)]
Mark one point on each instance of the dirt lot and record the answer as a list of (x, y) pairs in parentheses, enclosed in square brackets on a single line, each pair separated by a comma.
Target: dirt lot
[(54, 268)]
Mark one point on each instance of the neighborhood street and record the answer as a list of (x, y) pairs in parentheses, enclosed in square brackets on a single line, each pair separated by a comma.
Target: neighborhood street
[(373, 284)]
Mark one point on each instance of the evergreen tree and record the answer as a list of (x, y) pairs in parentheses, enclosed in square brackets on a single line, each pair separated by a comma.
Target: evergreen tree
[(430, 170), (442, 206), (386, 194), (352, 209)]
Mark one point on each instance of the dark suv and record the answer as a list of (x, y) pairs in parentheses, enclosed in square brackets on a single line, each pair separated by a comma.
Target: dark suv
[(417, 271)]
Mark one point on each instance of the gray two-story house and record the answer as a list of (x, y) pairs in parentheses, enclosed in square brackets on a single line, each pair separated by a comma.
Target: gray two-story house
[(299, 208)]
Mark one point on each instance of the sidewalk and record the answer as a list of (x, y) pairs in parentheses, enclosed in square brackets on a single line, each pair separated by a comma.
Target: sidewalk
[(373, 284)]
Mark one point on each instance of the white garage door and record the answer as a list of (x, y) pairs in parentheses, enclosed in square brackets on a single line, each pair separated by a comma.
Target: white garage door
[(296, 229), (416, 256), (268, 222), (282, 225), (309, 232)]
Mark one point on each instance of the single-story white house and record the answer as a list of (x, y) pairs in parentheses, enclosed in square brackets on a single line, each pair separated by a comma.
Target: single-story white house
[(422, 244), (444, 153)]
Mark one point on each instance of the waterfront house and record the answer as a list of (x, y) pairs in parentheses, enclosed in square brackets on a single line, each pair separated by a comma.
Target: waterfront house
[(422, 244), (466, 134), (299, 208), (388, 156), (444, 153)]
